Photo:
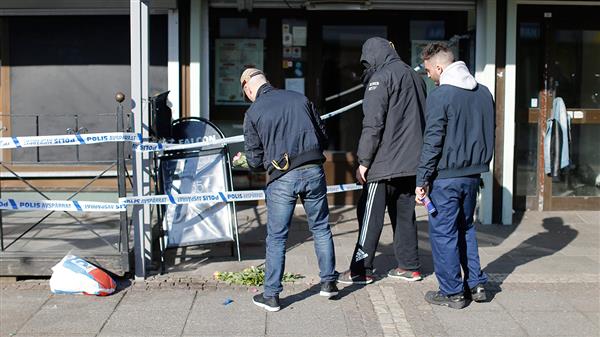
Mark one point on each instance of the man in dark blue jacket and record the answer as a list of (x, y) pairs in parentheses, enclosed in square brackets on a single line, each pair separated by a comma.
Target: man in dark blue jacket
[(285, 136), (457, 147)]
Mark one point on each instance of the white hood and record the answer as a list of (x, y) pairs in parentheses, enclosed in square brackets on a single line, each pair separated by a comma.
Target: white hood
[(458, 75)]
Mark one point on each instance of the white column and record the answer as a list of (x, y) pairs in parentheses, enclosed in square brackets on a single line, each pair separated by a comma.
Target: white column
[(173, 65), (485, 73), (139, 93), (196, 58), (509, 112)]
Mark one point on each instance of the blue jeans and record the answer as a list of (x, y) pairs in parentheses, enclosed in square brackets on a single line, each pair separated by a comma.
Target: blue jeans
[(282, 194), (452, 234)]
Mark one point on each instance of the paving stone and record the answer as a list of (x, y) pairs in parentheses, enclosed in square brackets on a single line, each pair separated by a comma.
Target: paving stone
[(556, 323), (71, 314), (308, 316), (583, 298), (592, 218), (168, 299), (17, 306), (465, 323), (532, 300), (209, 316), (594, 317), (148, 322)]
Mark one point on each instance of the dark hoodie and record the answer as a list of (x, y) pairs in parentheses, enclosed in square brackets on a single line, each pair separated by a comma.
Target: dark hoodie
[(393, 107)]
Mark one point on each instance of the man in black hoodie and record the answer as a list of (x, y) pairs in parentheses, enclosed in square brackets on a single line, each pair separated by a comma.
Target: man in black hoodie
[(388, 153), (458, 147)]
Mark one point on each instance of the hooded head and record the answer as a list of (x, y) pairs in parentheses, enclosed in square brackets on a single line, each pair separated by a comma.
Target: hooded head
[(376, 52)]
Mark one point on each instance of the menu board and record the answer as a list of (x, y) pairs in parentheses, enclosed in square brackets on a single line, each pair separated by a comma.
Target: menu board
[(232, 56)]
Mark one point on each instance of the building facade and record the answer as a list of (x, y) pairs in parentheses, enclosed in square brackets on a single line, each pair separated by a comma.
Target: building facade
[(70, 57)]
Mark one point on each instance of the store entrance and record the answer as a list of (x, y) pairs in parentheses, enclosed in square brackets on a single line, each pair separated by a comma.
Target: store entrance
[(558, 50), (341, 80)]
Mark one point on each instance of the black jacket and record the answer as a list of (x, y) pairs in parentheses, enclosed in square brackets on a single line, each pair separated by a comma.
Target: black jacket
[(459, 136), (393, 107), (279, 122)]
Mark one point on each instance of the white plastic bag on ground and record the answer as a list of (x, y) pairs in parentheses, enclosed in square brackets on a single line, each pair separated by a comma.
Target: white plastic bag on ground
[(74, 275)]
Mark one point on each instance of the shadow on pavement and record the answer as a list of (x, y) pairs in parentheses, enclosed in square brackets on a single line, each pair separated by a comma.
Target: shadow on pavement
[(252, 234), (556, 236)]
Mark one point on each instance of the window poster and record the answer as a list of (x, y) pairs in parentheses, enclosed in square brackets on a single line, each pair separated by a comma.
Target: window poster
[(231, 57)]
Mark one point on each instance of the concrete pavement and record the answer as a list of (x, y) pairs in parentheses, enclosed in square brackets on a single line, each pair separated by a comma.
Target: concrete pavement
[(544, 281)]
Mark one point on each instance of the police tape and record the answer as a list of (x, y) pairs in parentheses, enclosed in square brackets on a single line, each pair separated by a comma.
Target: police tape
[(75, 139), (61, 205), (154, 147), (136, 138), (227, 196), (121, 206), (340, 110)]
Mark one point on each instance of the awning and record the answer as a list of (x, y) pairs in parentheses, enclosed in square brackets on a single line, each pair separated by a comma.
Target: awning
[(77, 7), (447, 5)]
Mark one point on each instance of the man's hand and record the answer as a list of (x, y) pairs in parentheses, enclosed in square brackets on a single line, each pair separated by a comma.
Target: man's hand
[(237, 156), (420, 193), (361, 173)]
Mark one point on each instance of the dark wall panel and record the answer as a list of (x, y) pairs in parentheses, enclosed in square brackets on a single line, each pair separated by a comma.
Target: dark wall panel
[(65, 71)]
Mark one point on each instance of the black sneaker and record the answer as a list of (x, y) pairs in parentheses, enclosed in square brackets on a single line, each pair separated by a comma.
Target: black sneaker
[(268, 303), (348, 277), (328, 289), (477, 293), (454, 301)]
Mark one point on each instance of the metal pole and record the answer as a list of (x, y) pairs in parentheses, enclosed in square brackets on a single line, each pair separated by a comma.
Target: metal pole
[(37, 133), (122, 188), (139, 93)]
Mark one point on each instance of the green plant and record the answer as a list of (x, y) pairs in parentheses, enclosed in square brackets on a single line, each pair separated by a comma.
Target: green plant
[(253, 276)]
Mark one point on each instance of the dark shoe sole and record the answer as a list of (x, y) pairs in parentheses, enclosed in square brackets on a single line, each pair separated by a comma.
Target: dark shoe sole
[(266, 307), (329, 294), (453, 305)]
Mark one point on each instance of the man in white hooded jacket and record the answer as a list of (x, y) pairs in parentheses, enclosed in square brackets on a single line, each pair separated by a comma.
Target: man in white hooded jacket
[(458, 145)]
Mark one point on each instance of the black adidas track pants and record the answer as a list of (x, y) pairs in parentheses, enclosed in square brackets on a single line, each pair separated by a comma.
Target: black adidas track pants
[(398, 195)]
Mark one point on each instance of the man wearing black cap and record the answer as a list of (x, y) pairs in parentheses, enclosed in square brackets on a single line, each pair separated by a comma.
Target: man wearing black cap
[(284, 135)]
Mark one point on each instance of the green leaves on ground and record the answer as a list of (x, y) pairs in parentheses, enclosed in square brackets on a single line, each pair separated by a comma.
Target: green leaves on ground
[(253, 276)]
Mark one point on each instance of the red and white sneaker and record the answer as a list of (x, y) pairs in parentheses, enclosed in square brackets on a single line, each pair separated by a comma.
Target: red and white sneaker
[(406, 275)]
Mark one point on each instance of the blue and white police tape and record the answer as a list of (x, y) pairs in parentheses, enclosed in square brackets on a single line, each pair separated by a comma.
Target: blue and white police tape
[(136, 138), (61, 205), (340, 110), (121, 206), (75, 139), (153, 147), (228, 196)]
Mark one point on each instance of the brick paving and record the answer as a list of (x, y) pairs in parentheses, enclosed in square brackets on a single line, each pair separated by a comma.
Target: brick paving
[(544, 281)]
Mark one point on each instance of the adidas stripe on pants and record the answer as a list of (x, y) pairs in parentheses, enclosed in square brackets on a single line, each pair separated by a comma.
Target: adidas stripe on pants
[(398, 195)]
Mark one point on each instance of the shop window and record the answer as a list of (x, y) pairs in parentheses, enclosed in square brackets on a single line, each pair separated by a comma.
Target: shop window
[(427, 30), (240, 45), (242, 27)]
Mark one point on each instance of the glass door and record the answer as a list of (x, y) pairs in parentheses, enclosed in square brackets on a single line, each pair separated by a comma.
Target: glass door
[(557, 57)]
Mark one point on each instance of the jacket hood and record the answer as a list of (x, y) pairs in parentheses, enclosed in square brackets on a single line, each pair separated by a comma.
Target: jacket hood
[(376, 52), (457, 74)]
